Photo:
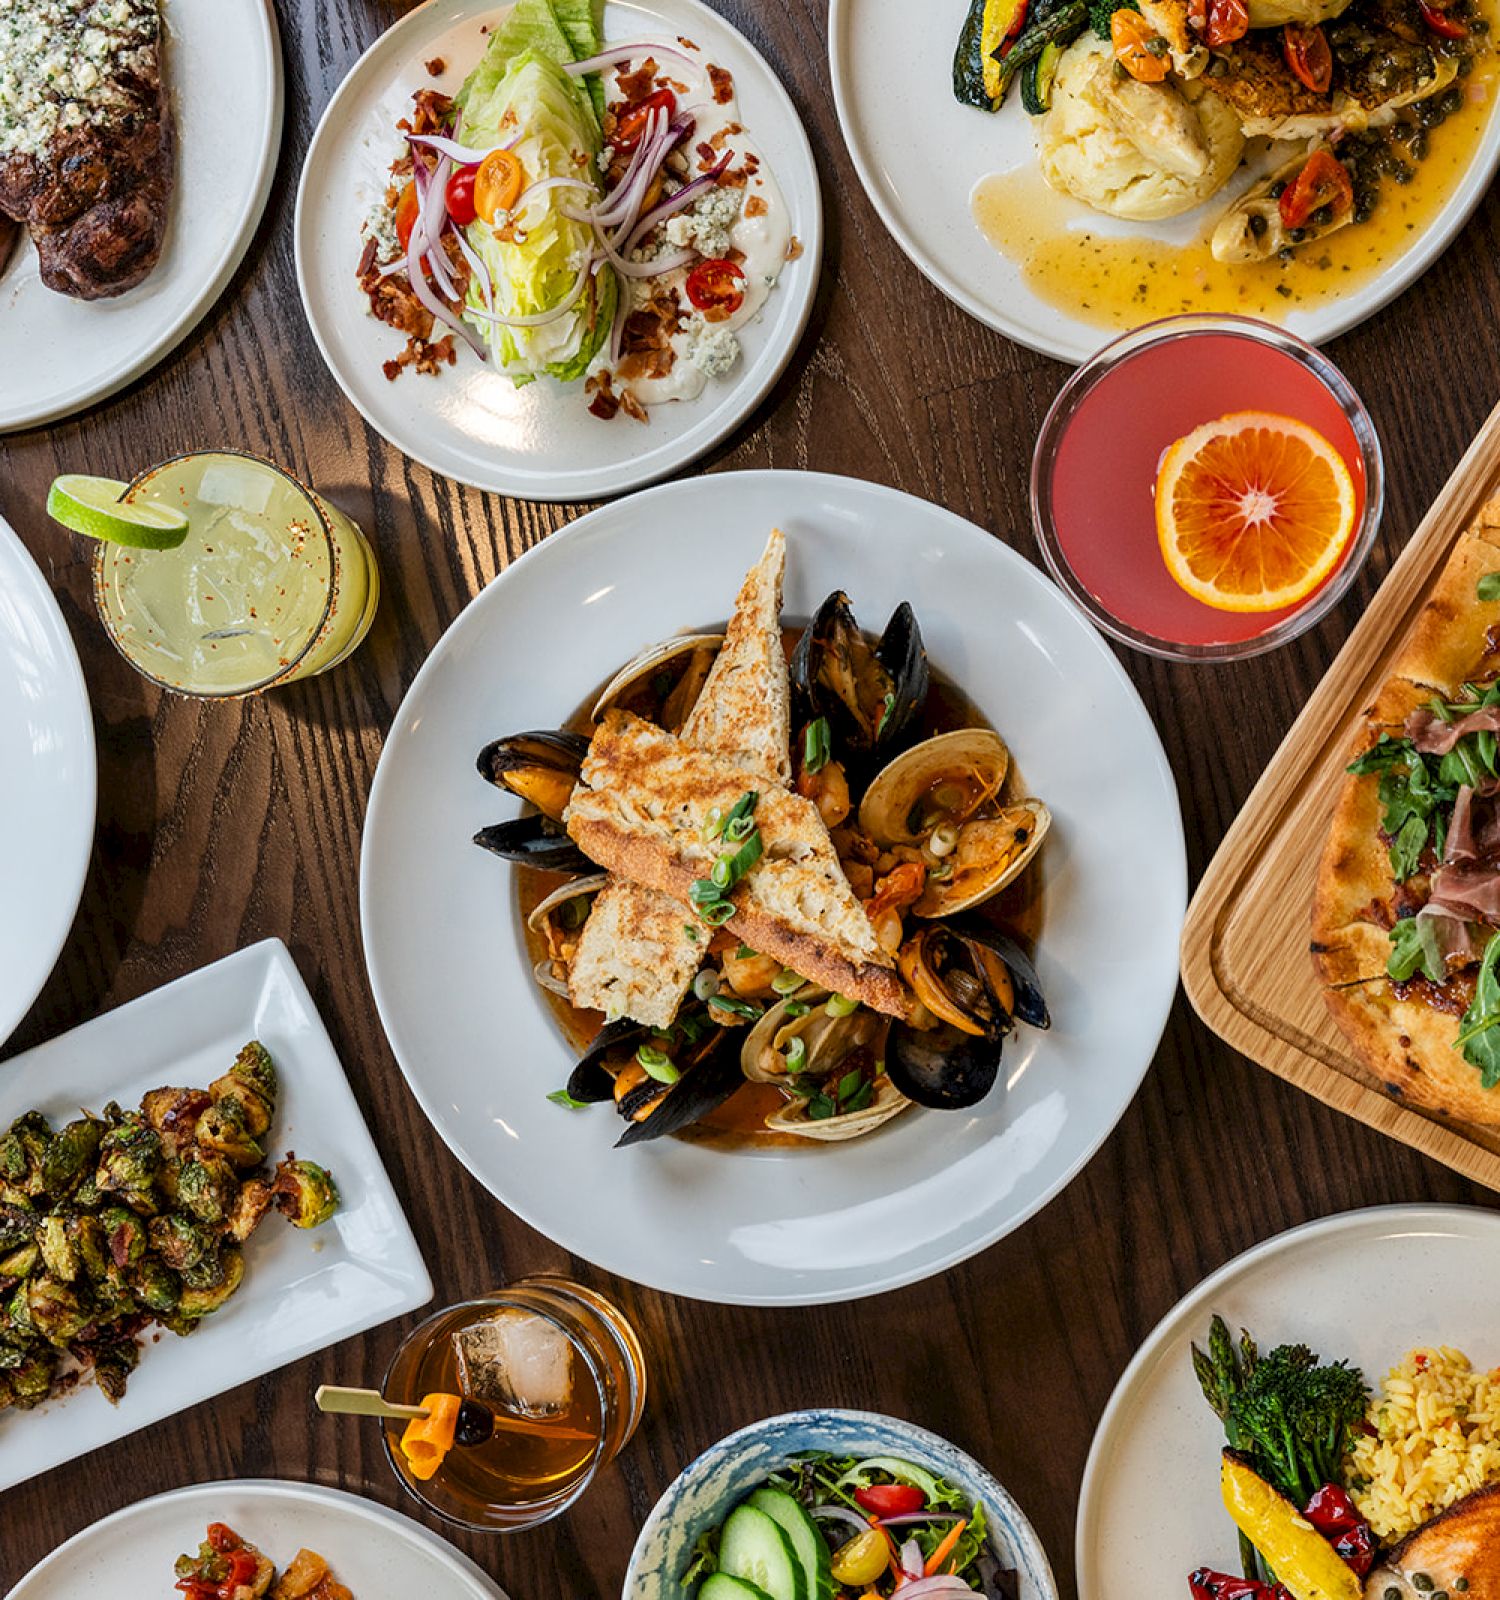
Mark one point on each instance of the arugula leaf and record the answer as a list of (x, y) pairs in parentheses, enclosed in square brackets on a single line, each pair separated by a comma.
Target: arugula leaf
[(561, 1097), (1413, 798), (1414, 949), (1479, 1030), (1488, 587), (1407, 846)]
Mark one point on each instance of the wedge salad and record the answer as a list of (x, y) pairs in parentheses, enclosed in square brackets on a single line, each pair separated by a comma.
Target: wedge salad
[(579, 212), (824, 1525)]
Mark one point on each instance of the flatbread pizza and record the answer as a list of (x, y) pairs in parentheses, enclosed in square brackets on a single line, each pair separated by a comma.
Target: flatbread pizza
[(1406, 912)]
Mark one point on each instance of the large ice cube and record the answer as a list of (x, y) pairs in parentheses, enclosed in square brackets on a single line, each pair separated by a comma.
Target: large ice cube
[(516, 1361)]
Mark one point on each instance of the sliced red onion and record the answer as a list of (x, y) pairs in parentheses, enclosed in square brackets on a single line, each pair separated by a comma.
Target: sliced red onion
[(837, 1513), (434, 213), (617, 327), (619, 54), (548, 183), (540, 319), (477, 268), (685, 196), (423, 292), (631, 189), (465, 155), (911, 1559), (640, 269), (943, 1586), (908, 1517)]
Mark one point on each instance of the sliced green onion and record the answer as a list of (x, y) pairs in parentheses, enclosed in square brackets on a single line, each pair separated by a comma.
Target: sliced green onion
[(796, 1008), (713, 824), (574, 913), (690, 931), (657, 1064), (561, 1097), (744, 953), (704, 892), (722, 873), (739, 830), (742, 807), (786, 981), (796, 1054), (716, 913), (840, 1005), (691, 1028), (736, 1006), (849, 1083), (746, 856), (887, 707), (706, 984), (816, 745)]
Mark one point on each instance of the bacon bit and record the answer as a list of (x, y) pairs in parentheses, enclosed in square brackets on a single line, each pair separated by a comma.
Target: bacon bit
[(366, 259), (719, 140), (723, 81), (638, 85), (603, 405), (732, 180), (794, 248), (755, 206), (687, 44), (632, 407), (436, 67), (422, 356), (434, 112), (707, 152)]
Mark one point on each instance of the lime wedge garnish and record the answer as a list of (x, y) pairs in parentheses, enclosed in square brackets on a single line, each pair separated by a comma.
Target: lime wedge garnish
[(93, 506)]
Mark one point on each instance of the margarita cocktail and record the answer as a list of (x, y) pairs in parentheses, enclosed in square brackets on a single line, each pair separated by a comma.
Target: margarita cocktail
[(270, 584)]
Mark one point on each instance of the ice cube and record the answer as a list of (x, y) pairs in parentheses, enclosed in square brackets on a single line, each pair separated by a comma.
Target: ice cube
[(517, 1362)]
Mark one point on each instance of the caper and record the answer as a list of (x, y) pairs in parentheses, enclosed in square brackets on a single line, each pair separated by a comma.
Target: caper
[(1422, 1583), (1257, 224), (1277, 189), (1393, 1593), (1450, 101)]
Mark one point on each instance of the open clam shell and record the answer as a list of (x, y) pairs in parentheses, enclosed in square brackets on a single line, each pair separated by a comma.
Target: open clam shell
[(793, 1118), (553, 918), (991, 853), (685, 659)]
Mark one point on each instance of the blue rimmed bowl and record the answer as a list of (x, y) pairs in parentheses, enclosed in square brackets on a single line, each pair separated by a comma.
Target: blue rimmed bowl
[(704, 1493)]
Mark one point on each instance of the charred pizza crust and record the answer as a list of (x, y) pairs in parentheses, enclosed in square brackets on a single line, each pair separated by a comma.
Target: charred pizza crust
[(1404, 1033)]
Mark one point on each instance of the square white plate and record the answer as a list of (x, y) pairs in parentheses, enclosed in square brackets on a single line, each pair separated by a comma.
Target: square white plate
[(302, 1291)]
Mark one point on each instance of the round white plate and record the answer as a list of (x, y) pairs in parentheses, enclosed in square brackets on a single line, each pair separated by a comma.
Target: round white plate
[(470, 422), (446, 951), (371, 1550), (1366, 1286), (59, 354), (47, 796), (920, 169)]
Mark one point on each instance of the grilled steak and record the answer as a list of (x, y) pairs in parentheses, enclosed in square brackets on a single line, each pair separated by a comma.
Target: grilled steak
[(86, 138)]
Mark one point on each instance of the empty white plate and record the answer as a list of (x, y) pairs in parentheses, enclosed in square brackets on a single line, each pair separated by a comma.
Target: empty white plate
[(371, 1551), (58, 354), (453, 980), (471, 422), (302, 1290), (50, 779)]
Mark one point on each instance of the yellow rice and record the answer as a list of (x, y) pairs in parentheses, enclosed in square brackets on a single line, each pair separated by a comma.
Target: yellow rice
[(1437, 1427)]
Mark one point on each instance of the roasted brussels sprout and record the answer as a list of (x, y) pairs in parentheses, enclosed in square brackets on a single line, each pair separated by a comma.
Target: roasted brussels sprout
[(251, 1083), (19, 1263), (59, 1252), (21, 1153), (31, 1382), (251, 1204), (304, 1193), (197, 1303), (130, 1157), (70, 1155), (207, 1186), (222, 1129), (174, 1113), (113, 1364), (55, 1310), (18, 1224), (124, 1235), (180, 1240), (156, 1286)]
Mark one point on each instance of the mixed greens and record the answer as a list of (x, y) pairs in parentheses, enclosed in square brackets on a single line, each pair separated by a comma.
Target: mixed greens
[(828, 1525)]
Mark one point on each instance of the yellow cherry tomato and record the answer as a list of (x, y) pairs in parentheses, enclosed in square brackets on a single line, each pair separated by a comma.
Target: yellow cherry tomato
[(862, 1560), (498, 184)]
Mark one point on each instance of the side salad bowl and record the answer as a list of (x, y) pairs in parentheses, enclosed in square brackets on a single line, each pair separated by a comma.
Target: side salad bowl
[(704, 1494)]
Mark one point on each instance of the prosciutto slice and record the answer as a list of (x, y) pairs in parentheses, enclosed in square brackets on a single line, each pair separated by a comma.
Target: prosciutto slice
[(1434, 737), (1470, 891)]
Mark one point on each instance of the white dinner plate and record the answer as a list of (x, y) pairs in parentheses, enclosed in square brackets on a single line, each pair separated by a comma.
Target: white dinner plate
[(58, 354), (302, 1290), (471, 422), (453, 982), (920, 169), (47, 794), (1364, 1286), (372, 1551)]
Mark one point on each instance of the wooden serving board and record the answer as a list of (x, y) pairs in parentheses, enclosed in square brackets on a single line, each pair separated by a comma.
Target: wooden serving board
[(1245, 961)]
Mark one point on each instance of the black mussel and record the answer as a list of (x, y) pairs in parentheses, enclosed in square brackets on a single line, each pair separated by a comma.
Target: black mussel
[(708, 1070), (942, 1068), (541, 767), (1029, 1004), (872, 696), (534, 841), (959, 979)]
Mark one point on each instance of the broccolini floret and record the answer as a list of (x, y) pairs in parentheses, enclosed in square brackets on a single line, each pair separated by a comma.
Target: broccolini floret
[(1100, 11)]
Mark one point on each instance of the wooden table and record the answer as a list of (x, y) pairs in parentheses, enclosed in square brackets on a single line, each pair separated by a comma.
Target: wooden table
[(221, 824)]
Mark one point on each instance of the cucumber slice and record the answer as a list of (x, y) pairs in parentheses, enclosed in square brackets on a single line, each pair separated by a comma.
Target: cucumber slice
[(720, 1586), (808, 1542), (754, 1547)]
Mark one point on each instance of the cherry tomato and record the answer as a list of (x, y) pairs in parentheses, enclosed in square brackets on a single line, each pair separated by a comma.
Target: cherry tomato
[(460, 196), (1308, 56), (1323, 181), (1436, 18), (716, 286), (220, 1535), (862, 1560), (1197, 17), (890, 1499), (498, 181), (1228, 20), (632, 124), (1139, 48)]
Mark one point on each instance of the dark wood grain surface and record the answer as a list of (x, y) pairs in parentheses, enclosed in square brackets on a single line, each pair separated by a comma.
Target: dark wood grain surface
[(222, 824)]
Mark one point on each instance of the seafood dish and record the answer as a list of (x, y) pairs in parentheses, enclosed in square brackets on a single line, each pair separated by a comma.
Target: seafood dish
[(126, 1219), (85, 140), (1297, 112), (579, 211), (1338, 1494), (226, 1567), (1406, 914), (779, 882), (824, 1526)]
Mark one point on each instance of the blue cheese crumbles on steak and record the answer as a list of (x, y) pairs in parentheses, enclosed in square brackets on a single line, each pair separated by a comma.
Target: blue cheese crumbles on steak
[(86, 138)]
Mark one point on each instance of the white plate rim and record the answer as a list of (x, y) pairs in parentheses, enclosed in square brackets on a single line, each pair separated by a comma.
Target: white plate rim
[(739, 402), (253, 205), (1324, 322), (1191, 1305), (957, 1253), (54, 930), (477, 1580)]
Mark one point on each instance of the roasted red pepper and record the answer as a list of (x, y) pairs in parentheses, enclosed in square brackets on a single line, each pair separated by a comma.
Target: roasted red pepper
[(1206, 1584), (1333, 1514)]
